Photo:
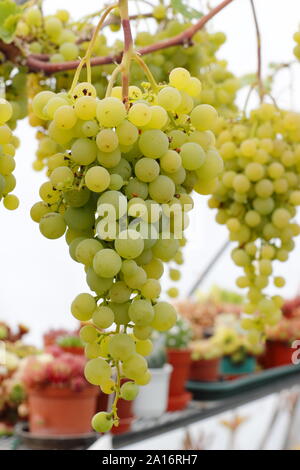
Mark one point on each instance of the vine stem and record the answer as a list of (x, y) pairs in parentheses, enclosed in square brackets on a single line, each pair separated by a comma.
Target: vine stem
[(128, 50), (87, 58), (258, 39), (184, 38)]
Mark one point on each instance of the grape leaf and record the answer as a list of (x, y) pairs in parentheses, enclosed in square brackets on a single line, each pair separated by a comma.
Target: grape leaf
[(179, 6), (9, 16)]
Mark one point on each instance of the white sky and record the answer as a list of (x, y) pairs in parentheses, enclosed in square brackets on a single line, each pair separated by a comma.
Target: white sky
[(38, 279)]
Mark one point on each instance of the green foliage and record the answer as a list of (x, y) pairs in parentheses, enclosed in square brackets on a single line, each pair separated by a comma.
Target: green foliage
[(69, 342), (9, 16), (179, 6)]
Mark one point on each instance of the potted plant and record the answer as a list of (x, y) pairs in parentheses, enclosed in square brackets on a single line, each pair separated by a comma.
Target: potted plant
[(206, 358), (145, 406), (179, 356), (60, 400), (71, 344), (278, 349)]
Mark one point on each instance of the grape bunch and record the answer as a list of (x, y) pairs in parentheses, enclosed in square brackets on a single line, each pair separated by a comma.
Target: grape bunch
[(119, 187), (8, 145), (256, 198)]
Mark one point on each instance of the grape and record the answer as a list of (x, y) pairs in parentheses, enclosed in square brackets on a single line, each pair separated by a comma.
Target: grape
[(192, 156), (79, 218), (115, 199), (110, 112), (86, 250), (109, 159), (88, 334), (153, 143), (52, 225), (162, 189), (127, 133), (129, 391), (159, 118), (147, 169), (119, 292), (107, 140), (65, 117), (129, 244), (121, 346), (102, 422), (83, 307), (141, 312), (154, 268), (69, 51), (108, 386), (100, 285), (103, 317), (97, 179), (164, 316), (179, 78), (171, 161), (85, 108), (107, 263), (139, 114), (144, 347), (11, 202), (144, 379), (151, 289), (62, 177), (84, 152), (97, 371), (203, 117), (135, 366), (84, 89), (169, 98)]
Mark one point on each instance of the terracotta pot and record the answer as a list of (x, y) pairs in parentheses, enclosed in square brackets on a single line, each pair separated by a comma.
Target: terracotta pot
[(205, 370), (55, 411), (278, 353), (180, 359), (76, 350)]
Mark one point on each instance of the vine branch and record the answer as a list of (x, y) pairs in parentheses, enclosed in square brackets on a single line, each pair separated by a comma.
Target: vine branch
[(258, 38), (185, 38)]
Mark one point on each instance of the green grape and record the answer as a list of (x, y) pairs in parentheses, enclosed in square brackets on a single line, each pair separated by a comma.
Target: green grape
[(114, 199), (86, 250), (62, 177), (165, 316), (107, 263), (141, 312), (171, 161), (135, 366), (97, 371), (144, 347), (203, 117), (151, 289), (159, 118), (147, 169), (83, 306), (85, 109), (97, 179), (212, 166), (129, 267), (136, 280), (69, 51), (154, 268), (162, 189), (192, 156), (129, 391), (116, 182), (79, 218), (110, 112), (11, 202), (65, 117), (84, 152), (52, 225), (38, 210), (98, 284), (127, 133), (153, 143), (119, 292), (136, 188), (169, 98), (107, 141), (102, 422), (103, 317), (139, 114), (88, 334), (179, 78), (129, 244), (109, 160), (121, 347)]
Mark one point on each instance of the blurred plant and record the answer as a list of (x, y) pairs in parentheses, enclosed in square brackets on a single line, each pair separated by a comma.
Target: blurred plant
[(180, 335), (199, 442), (64, 371), (69, 342), (158, 358), (287, 330), (7, 334), (233, 425), (206, 349)]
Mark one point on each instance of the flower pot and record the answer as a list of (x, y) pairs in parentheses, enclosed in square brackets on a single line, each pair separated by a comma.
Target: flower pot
[(232, 370), (277, 353), (55, 411), (180, 359), (205, 370), (152, 399), (77, 350)]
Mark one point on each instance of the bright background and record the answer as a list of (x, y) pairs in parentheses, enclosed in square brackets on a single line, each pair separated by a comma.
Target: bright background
[(38, 279)]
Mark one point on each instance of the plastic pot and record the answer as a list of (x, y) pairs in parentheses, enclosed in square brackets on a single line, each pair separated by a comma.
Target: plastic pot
[(180, 359), (205, 370), (55, 411), (277, 353), (152, 399), (234, 370)]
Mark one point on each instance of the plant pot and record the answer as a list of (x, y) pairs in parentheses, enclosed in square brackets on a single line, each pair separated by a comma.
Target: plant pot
[(233, 370), (180, 359), (277, 353), (55, 411), (205, 370), (76, 350), (152, 399)]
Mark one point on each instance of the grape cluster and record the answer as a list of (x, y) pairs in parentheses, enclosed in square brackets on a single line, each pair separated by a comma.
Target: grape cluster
[(119, 184), (256, 198), (8, 145)]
